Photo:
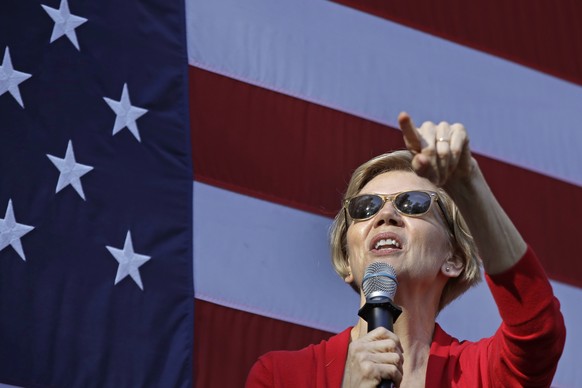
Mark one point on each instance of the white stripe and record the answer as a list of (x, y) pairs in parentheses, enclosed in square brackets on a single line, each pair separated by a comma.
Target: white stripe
[(329, 54), (268, 259)]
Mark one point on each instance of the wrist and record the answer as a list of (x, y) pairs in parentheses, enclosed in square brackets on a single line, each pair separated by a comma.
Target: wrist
[(468, 185)]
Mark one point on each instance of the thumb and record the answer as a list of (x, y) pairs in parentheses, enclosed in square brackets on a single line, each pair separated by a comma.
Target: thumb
[(421, 165)]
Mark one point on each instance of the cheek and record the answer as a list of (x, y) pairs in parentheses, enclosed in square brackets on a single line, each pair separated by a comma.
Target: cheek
[(355, 244), (355, 239), (435, 246)]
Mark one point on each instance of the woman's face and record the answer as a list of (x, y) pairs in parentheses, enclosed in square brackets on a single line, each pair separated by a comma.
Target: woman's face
[(416, 247)]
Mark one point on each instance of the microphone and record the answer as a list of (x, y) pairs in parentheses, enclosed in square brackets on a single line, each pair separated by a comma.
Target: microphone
[(379, 286)]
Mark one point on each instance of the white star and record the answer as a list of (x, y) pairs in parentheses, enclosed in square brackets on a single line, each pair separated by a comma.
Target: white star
[(129, 261), (10, 78), (11, 232), (71, 171), (126, 113), (65, 22)]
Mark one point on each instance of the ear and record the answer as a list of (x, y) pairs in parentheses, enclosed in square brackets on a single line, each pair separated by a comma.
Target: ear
[(349, 278), (452, 267)]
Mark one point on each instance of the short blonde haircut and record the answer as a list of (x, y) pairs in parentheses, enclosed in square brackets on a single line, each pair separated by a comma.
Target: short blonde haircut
[(461, 241)]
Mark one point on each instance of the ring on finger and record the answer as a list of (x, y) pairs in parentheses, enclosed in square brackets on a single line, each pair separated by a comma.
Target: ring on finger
[(442, 139)]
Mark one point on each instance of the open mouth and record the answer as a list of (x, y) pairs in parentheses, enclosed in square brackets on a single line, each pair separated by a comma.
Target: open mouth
[(383, 242)]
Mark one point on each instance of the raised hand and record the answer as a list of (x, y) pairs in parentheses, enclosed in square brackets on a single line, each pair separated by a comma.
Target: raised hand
[(441, 151)]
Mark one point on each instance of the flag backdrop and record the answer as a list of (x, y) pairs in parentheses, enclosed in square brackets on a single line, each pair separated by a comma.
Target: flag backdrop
[(286, 98), (95, 195)]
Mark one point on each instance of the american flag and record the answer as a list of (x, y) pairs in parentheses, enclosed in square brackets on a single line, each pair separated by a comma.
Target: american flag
[(285, 98), (95, 195)]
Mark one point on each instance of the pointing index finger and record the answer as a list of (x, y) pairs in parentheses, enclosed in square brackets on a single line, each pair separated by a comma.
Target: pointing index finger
[(410, 133)]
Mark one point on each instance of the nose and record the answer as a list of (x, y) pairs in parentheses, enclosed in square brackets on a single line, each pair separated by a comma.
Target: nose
[(388, 215)]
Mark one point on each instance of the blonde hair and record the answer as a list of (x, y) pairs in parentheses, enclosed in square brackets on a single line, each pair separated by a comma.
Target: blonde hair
[(460, 239)]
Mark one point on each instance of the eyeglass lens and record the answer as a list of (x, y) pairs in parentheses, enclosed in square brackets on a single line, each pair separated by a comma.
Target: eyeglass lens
[(412, 202)]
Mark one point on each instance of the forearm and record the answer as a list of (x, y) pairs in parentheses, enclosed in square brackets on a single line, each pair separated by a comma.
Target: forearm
[(500, 244)]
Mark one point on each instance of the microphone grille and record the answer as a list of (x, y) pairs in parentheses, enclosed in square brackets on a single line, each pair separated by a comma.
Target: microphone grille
[(379, 280)]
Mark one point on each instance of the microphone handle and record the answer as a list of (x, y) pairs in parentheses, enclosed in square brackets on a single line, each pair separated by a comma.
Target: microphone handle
[(380, 313), (381, 317)]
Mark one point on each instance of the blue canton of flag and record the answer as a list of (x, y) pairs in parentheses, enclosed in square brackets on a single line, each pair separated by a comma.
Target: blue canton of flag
[(95, 195)]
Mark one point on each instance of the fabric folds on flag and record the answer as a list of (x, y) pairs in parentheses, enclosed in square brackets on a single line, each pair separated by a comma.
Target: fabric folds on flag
[(96, 284)]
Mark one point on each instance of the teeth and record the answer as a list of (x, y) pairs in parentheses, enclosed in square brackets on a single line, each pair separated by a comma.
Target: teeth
[(387, 242)]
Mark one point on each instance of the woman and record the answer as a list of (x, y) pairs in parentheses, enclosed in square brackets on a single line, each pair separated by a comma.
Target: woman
[(399, 210)]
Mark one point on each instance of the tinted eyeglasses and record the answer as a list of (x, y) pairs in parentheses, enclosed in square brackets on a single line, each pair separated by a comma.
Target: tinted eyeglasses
[(413, 203)]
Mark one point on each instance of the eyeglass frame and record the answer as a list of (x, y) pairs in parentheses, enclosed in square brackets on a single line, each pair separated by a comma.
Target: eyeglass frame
[(434, 197)]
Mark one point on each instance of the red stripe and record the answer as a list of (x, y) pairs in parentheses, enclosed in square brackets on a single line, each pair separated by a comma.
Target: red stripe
[(229, 341), (544, 35), (273, 146), (296, 153)]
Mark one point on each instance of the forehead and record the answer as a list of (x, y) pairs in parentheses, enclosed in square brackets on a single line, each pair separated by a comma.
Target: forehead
[(396, 181)]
